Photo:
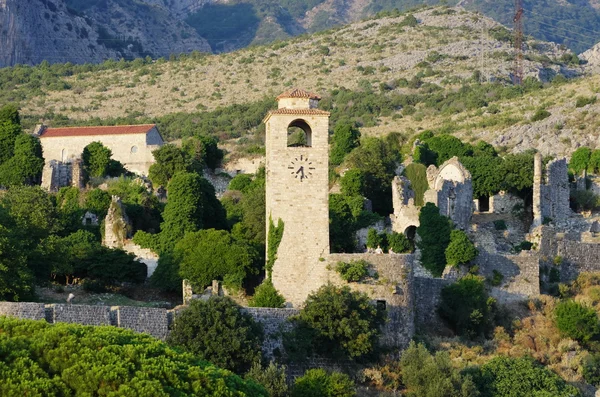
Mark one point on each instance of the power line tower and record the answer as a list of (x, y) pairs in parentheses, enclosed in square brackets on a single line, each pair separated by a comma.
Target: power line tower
[(518, 28)]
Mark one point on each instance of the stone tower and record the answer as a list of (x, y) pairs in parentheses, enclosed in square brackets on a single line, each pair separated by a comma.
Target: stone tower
[(297, 192)]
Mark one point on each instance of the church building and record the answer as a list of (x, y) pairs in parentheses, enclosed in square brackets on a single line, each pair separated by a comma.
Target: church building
[(132, 145)]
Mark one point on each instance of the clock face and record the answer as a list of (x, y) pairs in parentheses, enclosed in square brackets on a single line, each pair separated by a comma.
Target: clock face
[(301, 168)]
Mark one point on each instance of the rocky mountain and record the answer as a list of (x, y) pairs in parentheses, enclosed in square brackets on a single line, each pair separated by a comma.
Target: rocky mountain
[(82, 31), (52, 30)]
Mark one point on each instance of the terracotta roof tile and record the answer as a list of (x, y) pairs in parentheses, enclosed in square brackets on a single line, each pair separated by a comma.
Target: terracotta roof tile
[(298, 93), (310, 112), (99, 130)]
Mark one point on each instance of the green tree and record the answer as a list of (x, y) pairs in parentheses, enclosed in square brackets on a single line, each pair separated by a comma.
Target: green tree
[(319, 383), (31, 211), (594, 163), (427, 375), (466, 307), (16, 280), (517, 170), (96, 159), (105, 361), (516, 377), (26, 165), (10, 129), (461, 250), (434, 230), (218, 331), (211, 254), (487, 174), (97, 201), (168, 160), (265, 295), (447, 146), (353, 182), (343, 322), (577, 321), (378, 163), (580, 159), (345, 138)]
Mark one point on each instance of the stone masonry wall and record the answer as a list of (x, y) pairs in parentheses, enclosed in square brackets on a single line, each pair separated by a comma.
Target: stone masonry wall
[(394, 286), (521, 274), (153, 321), (274, 322), (427, 298)]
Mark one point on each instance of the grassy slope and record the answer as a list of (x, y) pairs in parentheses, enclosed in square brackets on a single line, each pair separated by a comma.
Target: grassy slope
[(357, 56)]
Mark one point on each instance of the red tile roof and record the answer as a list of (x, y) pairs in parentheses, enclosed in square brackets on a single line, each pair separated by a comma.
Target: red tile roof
[(100, 130), (298, 93), (311, 112)]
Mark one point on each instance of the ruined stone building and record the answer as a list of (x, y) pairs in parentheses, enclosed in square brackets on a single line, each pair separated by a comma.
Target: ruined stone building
[(450, 189), (550, 191), (132, 145)]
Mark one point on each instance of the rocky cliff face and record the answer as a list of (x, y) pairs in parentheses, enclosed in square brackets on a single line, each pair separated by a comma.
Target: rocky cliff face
[(38, 30)]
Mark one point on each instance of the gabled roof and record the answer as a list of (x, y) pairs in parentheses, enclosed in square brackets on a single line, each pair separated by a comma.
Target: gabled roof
[(298, 93), (99, 130)]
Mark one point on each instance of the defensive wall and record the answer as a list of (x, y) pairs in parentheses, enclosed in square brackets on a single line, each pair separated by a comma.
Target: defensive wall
[(390, 285), (153, 321)]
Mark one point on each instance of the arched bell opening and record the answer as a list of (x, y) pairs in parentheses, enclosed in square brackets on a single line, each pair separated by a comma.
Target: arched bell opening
[(299, 134)]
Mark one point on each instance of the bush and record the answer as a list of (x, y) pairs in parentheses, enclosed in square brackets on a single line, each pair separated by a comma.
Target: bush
[(336, 322), (580, 160), (540, 114), (417, 175), (434, 230), (266, 295), (399, 243), (319, 383), (584, 200), (69, 359), (374, 239), (353, 271), (219, 332), (576, 321), (583, 101), (466, 307), (273, 378), (461, 250), (517, 377), (433, 376)]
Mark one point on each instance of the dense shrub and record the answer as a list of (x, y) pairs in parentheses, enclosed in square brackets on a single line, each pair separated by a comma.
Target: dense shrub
[(580, 159), (98, 162), (345, 138), (335, 322), (577, 321), (466, 307), (461, 250), (208, 255), (426, 375), (582, 101), (265, 295), (540, 114), (584, 200), (398, 243), (434, 230), (353, 271), (68, 359), (517, 377), (219, 332), (272, 377), (320, 383)]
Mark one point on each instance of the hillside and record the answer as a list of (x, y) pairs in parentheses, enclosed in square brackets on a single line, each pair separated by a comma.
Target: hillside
[(411, 75), (81, 31)]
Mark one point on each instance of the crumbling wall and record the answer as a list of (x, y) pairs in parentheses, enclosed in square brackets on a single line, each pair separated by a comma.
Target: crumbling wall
[(406, 213), (393, 287), (550, 195), (427, 299), (504, 203), (520, 274), (451, 189), (57, 174), (274, 322), (116, 225)]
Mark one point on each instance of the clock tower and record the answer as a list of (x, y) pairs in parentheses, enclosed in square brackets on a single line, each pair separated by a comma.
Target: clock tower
[(297, 193)]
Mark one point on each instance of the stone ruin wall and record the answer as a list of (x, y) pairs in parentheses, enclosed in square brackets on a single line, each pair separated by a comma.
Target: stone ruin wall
[(504, 203), (406, 213), (394, 285), (550, 194), (153, 321), (521, 274), (57, 174)]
